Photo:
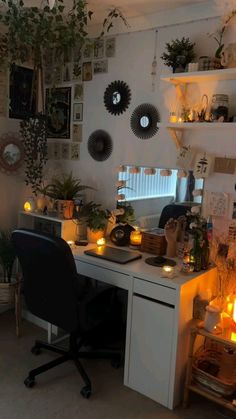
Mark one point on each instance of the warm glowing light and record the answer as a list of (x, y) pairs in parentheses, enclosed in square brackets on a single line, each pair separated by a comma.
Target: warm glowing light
[(167, 271), (229, 308), (101, 242), (234, 311), (180, 119), (135, 238), (173, 118), (233, 336), (29, 205), (70, 242)]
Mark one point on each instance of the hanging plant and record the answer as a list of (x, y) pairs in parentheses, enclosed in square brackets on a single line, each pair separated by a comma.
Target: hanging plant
[(34, 134)]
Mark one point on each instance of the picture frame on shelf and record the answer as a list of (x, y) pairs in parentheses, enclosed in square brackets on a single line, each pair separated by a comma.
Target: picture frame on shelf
[(78, 112)]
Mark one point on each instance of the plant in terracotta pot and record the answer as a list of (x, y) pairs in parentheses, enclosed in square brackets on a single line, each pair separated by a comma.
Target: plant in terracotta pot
[(7, 259), (179, 53), (96, 219), (64, 190)]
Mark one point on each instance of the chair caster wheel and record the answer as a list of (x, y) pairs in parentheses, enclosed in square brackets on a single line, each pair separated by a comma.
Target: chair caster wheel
[(36, 350), (29, 382), (86, 392)]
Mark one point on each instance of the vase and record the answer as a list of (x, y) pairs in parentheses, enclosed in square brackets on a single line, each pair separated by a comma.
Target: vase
[(41, 203), (65, 209), (94, 235)]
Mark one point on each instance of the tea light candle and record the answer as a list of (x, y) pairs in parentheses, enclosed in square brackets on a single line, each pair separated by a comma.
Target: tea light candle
[(167, 271), (70, 242), (101, 242), (135, 238)]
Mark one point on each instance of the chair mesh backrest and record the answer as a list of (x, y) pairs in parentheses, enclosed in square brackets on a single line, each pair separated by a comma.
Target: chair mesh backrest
[(172, 211), (49, 275)]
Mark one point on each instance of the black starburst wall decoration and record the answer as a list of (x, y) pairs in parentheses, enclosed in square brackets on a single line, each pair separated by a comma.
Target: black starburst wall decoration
[(117, 97), (144, 121), (100, 145)]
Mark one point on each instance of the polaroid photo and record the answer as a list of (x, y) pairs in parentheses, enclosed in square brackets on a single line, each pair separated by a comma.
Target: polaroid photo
[(87, 71), (77, 133), (77, 72), (110, 47), (65, 151), (98, 49), (88, 51), (100, 67), (75, 151), (78, 112), (78, 92)]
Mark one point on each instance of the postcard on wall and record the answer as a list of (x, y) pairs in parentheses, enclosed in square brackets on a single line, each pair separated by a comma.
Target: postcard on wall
[(78, 92), (65, 151), (77, 72), (88, 51), (77, 133), (110, 47), (184, 157), (217, 203), (75, 149), (58, 104), (224, 165), (87, 71), (100, 67), (98, 51), (202, 165), (67, 72), (78, 112)]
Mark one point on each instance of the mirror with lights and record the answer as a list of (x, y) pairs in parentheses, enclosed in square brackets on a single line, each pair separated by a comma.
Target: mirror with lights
[(11, 153), (149, 190)]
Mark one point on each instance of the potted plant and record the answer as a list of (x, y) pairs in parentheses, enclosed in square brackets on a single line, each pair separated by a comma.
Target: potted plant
[(7, 259), (64, 190), (179, 53), (96, 221)]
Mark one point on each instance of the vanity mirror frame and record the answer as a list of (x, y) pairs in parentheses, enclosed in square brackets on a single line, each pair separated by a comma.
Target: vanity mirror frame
[(10, 139)]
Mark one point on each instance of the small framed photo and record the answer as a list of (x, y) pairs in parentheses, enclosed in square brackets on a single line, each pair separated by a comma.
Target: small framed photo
[(78, 112), (88, 51), (87, 71), (78, 92), (77, 72), (67, 72), (74, 152), (98, 51), (65, 151), (100, 67), (77, 133), (110, 47)]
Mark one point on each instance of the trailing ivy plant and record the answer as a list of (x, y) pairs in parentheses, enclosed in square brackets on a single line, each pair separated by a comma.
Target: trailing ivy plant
[(34, 133)]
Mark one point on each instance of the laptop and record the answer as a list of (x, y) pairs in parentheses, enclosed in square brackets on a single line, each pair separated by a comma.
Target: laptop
[(113, 254)]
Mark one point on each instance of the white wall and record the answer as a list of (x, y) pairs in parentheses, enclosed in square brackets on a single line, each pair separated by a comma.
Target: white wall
[(132, 64)]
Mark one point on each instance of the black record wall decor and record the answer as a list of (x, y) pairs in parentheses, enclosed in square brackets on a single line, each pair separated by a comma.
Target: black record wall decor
[(100, 145), (117, 97), (144, 120)]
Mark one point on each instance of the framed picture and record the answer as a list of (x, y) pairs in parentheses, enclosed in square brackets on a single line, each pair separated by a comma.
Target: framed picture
[(78, 92), (58, 103), (74, 154), (77, 72), (88, 51), (21, 85), (87, 72), (110, 47), (100, 67), (78, 112), (98, 51), (77, 133), (67, 72), (65, 151)]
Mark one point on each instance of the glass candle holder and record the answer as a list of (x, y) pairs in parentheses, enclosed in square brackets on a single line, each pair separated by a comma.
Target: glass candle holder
[(167, 271), (135, 238), (101, 242)]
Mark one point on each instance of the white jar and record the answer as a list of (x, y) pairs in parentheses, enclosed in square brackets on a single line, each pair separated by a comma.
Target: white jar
[(212, 317)]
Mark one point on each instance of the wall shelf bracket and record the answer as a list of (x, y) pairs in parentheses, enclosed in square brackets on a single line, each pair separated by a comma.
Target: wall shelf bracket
[(177, 136)]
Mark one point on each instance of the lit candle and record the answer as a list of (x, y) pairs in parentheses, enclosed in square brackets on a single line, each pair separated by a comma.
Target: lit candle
[(173, 118), (70, 242), (135, 238), (167, 271), (101, 242), (180, 120)]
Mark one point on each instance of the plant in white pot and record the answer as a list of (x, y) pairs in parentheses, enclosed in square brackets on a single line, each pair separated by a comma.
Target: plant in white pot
[(7, 260)]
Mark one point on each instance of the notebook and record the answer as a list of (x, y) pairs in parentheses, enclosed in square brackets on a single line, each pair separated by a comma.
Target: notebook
[(113, 254)]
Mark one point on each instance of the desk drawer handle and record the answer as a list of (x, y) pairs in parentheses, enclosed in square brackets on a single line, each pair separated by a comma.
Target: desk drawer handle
[(154, 301)]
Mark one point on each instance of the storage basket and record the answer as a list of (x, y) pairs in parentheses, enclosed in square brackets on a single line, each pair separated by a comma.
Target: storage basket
[(206, 368), (154, 241), (7, 293)]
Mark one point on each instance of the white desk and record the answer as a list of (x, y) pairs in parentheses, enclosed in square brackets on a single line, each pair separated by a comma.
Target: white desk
[(158, 320)]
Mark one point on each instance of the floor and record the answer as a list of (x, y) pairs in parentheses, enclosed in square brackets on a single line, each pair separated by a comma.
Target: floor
[(57, 392)]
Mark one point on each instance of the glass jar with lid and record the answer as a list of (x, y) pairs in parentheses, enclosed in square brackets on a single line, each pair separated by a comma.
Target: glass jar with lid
[(219, 107)]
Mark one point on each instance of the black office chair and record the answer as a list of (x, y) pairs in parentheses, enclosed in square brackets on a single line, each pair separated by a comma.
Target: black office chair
[(55, 292)]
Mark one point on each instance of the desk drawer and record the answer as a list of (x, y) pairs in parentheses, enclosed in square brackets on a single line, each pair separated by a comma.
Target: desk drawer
[(154, 291), (104, 274)]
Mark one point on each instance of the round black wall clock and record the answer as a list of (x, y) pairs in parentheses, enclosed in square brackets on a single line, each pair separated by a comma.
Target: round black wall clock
[(144, 120), (100, 145), (117, 97)]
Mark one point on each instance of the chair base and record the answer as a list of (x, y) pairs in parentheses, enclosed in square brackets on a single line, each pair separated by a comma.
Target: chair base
[(72, 354)]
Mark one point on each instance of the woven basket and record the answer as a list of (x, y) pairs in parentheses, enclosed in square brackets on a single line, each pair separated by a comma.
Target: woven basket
[(206, 367), (7, 292)]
